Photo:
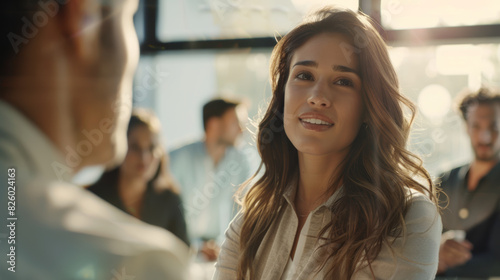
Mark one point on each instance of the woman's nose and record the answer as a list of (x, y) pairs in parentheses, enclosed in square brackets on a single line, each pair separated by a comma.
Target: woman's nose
[(318, 96)]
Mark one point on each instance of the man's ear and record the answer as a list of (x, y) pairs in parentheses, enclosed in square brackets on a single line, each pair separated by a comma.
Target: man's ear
[(75, 19)]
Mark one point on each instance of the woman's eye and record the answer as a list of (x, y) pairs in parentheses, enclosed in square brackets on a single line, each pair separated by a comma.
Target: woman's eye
[(304, 76), (344, 82), (134, 148)]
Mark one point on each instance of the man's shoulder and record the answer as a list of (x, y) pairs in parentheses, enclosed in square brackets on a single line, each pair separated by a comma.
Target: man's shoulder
[(186, 148), (236, 154), (96, 218), (453, 173), (62, 213), (13, 154), (457, 168)]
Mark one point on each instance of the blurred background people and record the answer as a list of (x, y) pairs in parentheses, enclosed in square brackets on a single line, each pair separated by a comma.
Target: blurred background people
[(142, 185), (473, 195), (66, 72), (209, 171)]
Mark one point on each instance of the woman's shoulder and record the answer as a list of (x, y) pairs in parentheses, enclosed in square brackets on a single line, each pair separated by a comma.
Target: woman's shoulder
[(234, 228), (238, 219), (422, 213), (103, 191), (106, 186), (414, 253), (414, 196), (167, 194), (163, 198)]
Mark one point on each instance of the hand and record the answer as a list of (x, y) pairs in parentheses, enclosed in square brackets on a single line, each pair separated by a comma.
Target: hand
[(453, 253), (210, 250)]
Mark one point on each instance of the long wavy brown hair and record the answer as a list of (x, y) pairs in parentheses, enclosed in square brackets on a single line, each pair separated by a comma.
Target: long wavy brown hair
[(374, 173)]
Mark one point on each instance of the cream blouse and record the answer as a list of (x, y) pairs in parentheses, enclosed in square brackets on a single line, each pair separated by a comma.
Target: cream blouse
[(414, 256)]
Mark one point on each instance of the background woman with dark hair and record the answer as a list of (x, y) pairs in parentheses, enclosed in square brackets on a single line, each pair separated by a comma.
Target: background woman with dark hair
[(142, 185), (340, 196)]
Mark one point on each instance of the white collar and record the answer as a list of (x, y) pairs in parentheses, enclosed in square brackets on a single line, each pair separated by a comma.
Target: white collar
[(36, 152)]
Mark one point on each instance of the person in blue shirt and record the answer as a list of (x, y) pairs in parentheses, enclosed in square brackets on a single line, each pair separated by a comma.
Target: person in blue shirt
[(209, 172)]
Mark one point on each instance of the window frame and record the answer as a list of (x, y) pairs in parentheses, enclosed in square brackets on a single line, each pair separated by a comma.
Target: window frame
[(404, 37)]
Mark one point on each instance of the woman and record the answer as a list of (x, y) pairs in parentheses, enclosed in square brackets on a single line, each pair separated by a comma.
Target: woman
[(340, 197), (142, 185)]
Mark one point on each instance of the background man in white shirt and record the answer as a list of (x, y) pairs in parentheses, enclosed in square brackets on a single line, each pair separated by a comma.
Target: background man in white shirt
[(209, 172)]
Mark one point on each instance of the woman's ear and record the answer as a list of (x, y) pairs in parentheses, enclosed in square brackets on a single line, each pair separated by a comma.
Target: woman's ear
[(364, 124)]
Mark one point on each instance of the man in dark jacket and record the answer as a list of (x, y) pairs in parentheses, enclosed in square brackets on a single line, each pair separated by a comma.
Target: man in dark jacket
[(473, 194)]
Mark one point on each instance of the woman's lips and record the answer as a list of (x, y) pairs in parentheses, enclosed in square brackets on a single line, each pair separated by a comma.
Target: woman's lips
[(315, 127), (315, 121)]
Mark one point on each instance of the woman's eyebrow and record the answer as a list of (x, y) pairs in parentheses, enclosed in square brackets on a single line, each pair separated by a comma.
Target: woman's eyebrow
[(342, 68), (306, 63), (337, 68)]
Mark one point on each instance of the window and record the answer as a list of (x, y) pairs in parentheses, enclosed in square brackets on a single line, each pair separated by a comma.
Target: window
[(433, 78), (224, 19), (406, 14)]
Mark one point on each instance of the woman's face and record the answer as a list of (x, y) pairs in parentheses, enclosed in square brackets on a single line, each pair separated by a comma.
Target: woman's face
[(142, 157), (323, 102)]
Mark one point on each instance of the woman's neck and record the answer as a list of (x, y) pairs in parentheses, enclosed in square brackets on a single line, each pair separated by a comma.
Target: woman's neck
[(315, 178), (131, 191)]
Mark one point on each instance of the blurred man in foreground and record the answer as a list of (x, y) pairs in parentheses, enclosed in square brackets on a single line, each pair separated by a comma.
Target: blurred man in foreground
[(66, 70)]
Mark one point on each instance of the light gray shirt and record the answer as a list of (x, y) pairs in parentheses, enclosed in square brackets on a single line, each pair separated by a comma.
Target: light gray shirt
[(415, 254), (208, 189), (62, 231)]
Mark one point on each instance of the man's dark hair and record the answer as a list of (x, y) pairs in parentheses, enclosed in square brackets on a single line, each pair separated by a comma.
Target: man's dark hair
[(216, 108), (20, 22), (484, 96)]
